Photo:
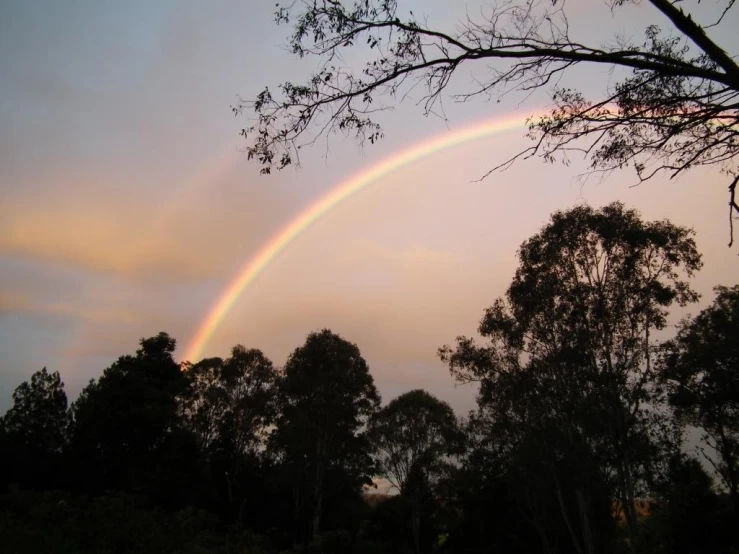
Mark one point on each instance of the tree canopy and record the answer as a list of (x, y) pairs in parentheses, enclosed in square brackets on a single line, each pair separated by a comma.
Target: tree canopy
[(568, 369), (35, 431), (39, 416), (124, 418), (414, 437), (701, 369), (577, 444), (412, 433), (230, 403), (327, 395)]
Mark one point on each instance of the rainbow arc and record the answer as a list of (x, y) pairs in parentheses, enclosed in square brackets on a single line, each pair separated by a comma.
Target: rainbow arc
[(255, 265)]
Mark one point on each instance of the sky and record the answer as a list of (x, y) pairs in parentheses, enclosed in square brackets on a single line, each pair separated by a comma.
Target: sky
[(128, 205)]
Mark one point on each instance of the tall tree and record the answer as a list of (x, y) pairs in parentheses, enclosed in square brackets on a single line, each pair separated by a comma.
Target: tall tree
[(36, 428), (229, 405), (701, 368), (571, 346), (414, 436), (326, 396), (673, 105), (125, 418), (532, 436), (39, 416)]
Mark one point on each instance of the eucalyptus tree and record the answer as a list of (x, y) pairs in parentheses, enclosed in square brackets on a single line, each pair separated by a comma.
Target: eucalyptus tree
[(571, 347), (414, 437), (326, 395), (36, 430), (701, 369)]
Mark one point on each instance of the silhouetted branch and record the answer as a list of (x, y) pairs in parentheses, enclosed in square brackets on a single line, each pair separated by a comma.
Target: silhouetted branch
[(732, 207), (678, 108)]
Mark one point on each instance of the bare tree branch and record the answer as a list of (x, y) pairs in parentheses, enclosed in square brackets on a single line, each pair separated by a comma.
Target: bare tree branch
[(732, 207), (676, 108)]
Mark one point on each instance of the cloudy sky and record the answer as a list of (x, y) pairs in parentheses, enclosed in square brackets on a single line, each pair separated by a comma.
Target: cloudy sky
[(127, 205)]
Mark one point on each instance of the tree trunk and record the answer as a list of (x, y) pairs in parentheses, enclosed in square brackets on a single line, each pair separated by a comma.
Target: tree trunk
[(317, 506), (731, 476), (623, 468), (587, 533), (299, 534), (627, 502), (318, 490), (566, 517), (416, 521)]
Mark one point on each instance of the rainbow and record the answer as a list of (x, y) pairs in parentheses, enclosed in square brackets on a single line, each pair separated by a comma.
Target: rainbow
[(298, 225)]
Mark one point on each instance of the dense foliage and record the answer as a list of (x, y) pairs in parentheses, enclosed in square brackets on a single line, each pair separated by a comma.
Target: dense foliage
[(577, 444)]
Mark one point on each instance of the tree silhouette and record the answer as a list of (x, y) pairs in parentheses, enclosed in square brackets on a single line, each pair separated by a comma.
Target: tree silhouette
[(326, 396), (125, 419), (414, 435), (36, 429), (701, 368), (229, 405), (688, 516), (573, 447), (571, 345), (39, 415), (675, 107), (231, 402)]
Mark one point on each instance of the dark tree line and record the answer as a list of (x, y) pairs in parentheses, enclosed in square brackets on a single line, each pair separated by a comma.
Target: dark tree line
[(576, 444)]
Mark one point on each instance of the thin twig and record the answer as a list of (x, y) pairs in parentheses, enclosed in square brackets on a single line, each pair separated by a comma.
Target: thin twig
[(732, 206)]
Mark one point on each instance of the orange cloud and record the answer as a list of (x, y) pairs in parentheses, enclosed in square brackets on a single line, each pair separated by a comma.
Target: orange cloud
[(192, 236), (412, 257), (14, 303)]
